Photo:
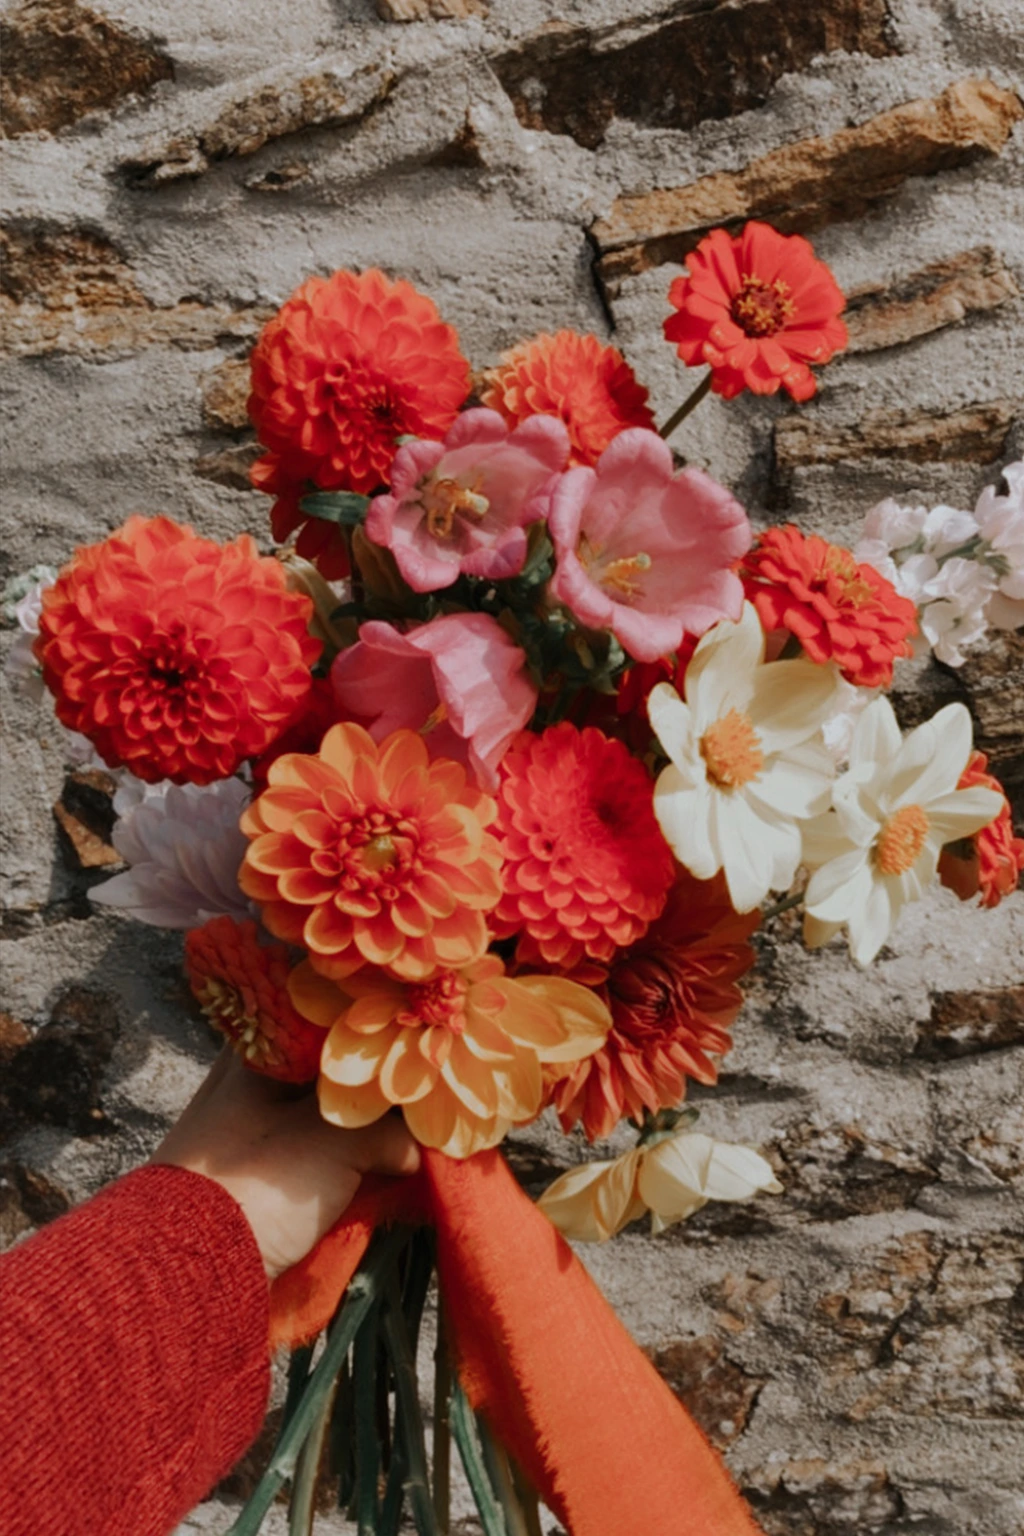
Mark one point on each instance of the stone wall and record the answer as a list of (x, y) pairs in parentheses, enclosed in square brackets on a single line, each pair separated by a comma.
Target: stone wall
[(172, 172)]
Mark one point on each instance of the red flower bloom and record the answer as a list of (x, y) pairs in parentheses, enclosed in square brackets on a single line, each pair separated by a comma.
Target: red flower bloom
[(589, 386), (304, 731), (177, 657), (587, 869), (838, 610), (758, 308), (673, 996), (242, 987), (992, 860), (322, 543), (346, 366)]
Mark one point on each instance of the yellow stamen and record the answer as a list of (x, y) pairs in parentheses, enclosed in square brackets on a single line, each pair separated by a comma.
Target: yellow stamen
[(840, 563), (901, 840), (380, 854), (731, 750), (435, 718), (445, 500), (761, 309)]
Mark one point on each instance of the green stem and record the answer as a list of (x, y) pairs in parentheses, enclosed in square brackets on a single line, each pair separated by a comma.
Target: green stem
[(501, 1480), (442, 1426), (464, 1430), (307, 1471), (785, 905), (364, 1383), (689, 404), (409, 1421), (364, 1289)]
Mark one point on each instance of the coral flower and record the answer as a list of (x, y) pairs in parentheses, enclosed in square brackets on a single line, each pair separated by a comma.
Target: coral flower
[(673, 996), (460, 507), (589, 386), (373, 854), (838, 610), (319, 541), (177, 657), (459, 680), (461, 1053), (991, 861), (348, 365), (241, 985), (587, 870), (758, 307), (643, 551), (304, 731)]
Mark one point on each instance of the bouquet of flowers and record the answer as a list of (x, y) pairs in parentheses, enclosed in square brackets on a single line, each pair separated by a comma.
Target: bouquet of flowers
[(470, 800)]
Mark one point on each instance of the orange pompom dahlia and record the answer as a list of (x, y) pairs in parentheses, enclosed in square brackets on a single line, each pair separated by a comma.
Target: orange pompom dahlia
[(758, 307), (992, 860), (586, 866), (241, 984), (348, 365), (373, 854), (176, 656), (461, 1052), (673, 995), (589, 386), (838, 610)]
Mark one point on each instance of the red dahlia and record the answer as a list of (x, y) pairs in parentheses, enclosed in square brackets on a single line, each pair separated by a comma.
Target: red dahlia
[(673, 995), (586, 866), (319, 541), (838, 610), (177, 657), (348, 365), (992, 860), (758, 307)]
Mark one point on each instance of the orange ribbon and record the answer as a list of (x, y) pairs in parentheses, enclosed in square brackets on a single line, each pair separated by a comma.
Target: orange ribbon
[(539, 1352)]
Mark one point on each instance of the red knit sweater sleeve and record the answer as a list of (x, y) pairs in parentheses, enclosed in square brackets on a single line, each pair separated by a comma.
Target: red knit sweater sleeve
[(134, 1368)]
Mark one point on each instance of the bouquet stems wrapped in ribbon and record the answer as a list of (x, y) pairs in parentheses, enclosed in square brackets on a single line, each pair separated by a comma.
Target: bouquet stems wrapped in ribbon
[(470, 802)]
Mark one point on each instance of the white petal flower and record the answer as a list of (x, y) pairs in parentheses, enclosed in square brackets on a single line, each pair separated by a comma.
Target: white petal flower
[(184, 848), (837, 730), (671, 1178), (22, 605), (952, 611), (892, 811), (748, 761), (1001, 523), (893, 526)]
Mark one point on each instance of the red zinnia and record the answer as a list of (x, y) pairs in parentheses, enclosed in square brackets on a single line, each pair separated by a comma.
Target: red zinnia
[(589, 386), (321, 542), (991, 861), (177, 657), (673, 996), (758, 307), (242, 987), (587, 868), (348, 365), (838, 610)]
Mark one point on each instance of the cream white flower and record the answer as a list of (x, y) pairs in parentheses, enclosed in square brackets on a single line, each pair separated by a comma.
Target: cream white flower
[(748, 761), (952, 608), (184, 849), (671, 1177), (837, 730), (1000, 521), (894, 808)]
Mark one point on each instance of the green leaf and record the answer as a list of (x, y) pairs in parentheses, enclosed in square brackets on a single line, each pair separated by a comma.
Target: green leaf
[(347, 508)]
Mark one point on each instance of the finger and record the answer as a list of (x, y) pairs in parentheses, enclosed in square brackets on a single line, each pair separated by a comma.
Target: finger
[(387, 1146)]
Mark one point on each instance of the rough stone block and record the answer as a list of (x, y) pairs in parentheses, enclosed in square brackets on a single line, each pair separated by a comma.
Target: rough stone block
[(977, 434), (429, 10), (966, 1023), (943, 293)]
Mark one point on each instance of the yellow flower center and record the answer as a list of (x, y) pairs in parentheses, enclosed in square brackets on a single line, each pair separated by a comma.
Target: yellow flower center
[(731, 750), (225, 1008), (442, 1000), (761, 309), (445, 500), (901, 840), (380, 854), (622, 577), (840, 565)]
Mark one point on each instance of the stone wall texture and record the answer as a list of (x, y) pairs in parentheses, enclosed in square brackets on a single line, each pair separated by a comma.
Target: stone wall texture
[(173, 170)]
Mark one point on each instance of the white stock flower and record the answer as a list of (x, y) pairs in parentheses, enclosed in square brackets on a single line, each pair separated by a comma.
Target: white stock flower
[(893, 810), (1000, 521), (22, 605), (672, 1178), (952, 608), (748, 762), (184, 849), (838, 728)]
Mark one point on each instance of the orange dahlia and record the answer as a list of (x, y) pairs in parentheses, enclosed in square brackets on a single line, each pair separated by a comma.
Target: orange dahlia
[(992, 860), (367, 853), (838, 610), (241, 985), (348, 365), (673, 995), (461, 1053), (177, 657), (758, 307), (586, 866), (589, 386), (319, 541)]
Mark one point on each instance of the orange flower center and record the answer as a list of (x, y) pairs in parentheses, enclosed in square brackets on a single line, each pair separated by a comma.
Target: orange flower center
[(839, 565), (901, 840), (375, 852), (731, 750), (442, 1000), (226, 1010), (761, 309), (446, 500)]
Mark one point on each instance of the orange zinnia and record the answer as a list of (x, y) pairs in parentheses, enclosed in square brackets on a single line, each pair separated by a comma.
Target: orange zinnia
[(368, 853), (589, 386), (758, 307), (241, 985), (461, 1052), (176, 656), (992, 860), (348, 365)]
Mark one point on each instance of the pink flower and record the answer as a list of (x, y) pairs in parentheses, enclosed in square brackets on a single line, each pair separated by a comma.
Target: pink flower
[(459, 680), (642, 551), (460, 507)]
